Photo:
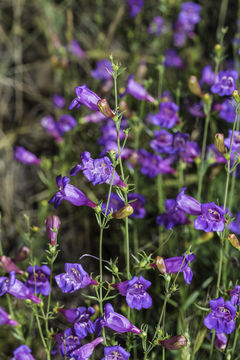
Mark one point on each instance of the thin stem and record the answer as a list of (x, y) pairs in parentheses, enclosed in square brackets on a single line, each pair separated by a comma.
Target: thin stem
[(222, 16), (235, 341), (41, 333)]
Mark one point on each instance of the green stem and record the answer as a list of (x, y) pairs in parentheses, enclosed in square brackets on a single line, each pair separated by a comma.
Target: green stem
[(235, 341), (41, 333), (222, 16)]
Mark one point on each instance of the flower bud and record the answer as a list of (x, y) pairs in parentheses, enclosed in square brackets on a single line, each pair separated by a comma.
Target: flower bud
[(174, 342), (52, 224), (234, 241), (22, 254), (218, 49), (124, 212), (194, 86), (235, 95), (206, 98), (161, 265), (219, 143), (220, 341), (105, 109), (8, 265)]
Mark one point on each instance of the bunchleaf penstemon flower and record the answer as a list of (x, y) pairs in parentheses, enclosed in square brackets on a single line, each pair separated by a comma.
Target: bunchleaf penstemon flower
[(135, 292)]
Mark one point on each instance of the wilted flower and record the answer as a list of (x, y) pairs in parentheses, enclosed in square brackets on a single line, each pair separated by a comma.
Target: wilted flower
[(135, 6), (219, 142), (70, 193), (117, 322), (225, 82), (105, 109), (22, 353), (123, 212), (222, 316), (26, 157), (38, 279), (85, 97), (74, 278), (98, 171), (135, 292), (174, 342), (5, 319), (115, 352), (137, 91), (16, 288)]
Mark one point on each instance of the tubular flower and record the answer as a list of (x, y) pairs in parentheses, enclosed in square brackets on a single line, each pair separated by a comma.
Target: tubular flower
[(117, 322), (225, 83), (211, 218), (188, 204), (8, 265), (5, 319), (137, 91), (222, 316), (115, 353), (16, 288), (22, 353), (85, 352), (135, 292), (70, 193), (38, 279), (74, 278), (85, 97), (173, 215), (26, 157)]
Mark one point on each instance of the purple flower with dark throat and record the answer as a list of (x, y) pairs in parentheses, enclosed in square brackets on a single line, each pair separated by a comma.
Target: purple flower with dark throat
[(74, 278), (225, 83), (70, 193), (38, 279), (163, 142), (211, 218), (173, 215), (16, 288), (5, 319), (190, 13), (85, 97), (67, 341), (80, 317), (26, 157), (115, 353), (222, 316), (22, 353), (98, 171), (135, 292), (117, 322), (137, 91)]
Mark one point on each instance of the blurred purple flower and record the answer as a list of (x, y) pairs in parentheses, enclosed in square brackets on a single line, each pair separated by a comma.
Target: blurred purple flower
[(85, 97), (115, 352), (190, 152), (103, 70), (167, 116), (49, 124), (5, 319), (222, 316), (22, 353), (225, 82), (74, 278), (137, 91), (80, 317), (69, 193), (235, 224), (220, 341), (157, 26), (16, 288), (26, 157), (235, 295), (235, 141), (7, 264), (85, 352), (95, 117), (117, 322), (138, 205), (173, 215), (163, 142), (135, 6), (214, 156), (58, 101), (98, 171), (152, 164), (227, 111), (208, 76), (172, 59), (76, 49), (135, 292), (196, 109), (38, 280), (65, 123), (190, 13)]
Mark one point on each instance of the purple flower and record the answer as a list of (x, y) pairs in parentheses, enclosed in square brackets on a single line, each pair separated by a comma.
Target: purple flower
[(157, 26), (235, 141), (85, 97), (152, 164), (172, 59), (135, 6), (8, 265), (75, 49), (220, 341), (85, 352), (188, 204), (163, 142), (180, 142), (190, 152), (117, 322), (80, 317), (167, 116), (115, 353), (196, 109), (16, 288), (70, 193), (173, 216), (190, 13), (176, 264), (214, 156), (208, 76), (235, 224), (225, 83), (74, 278), (38, 282), (235, 295), (137, 91), (5, 319), (22, 353), (95, 117), (58, 101), (97, 171), (138, 205), (26, 157), (211, 218), (222, 316), (52, 222), (103, 70), (135, 292), (227, 112), (49, 124), (68, 341), (65, 123)]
